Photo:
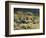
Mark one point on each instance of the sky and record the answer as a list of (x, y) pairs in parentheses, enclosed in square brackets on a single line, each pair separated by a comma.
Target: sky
[(25, 10)]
